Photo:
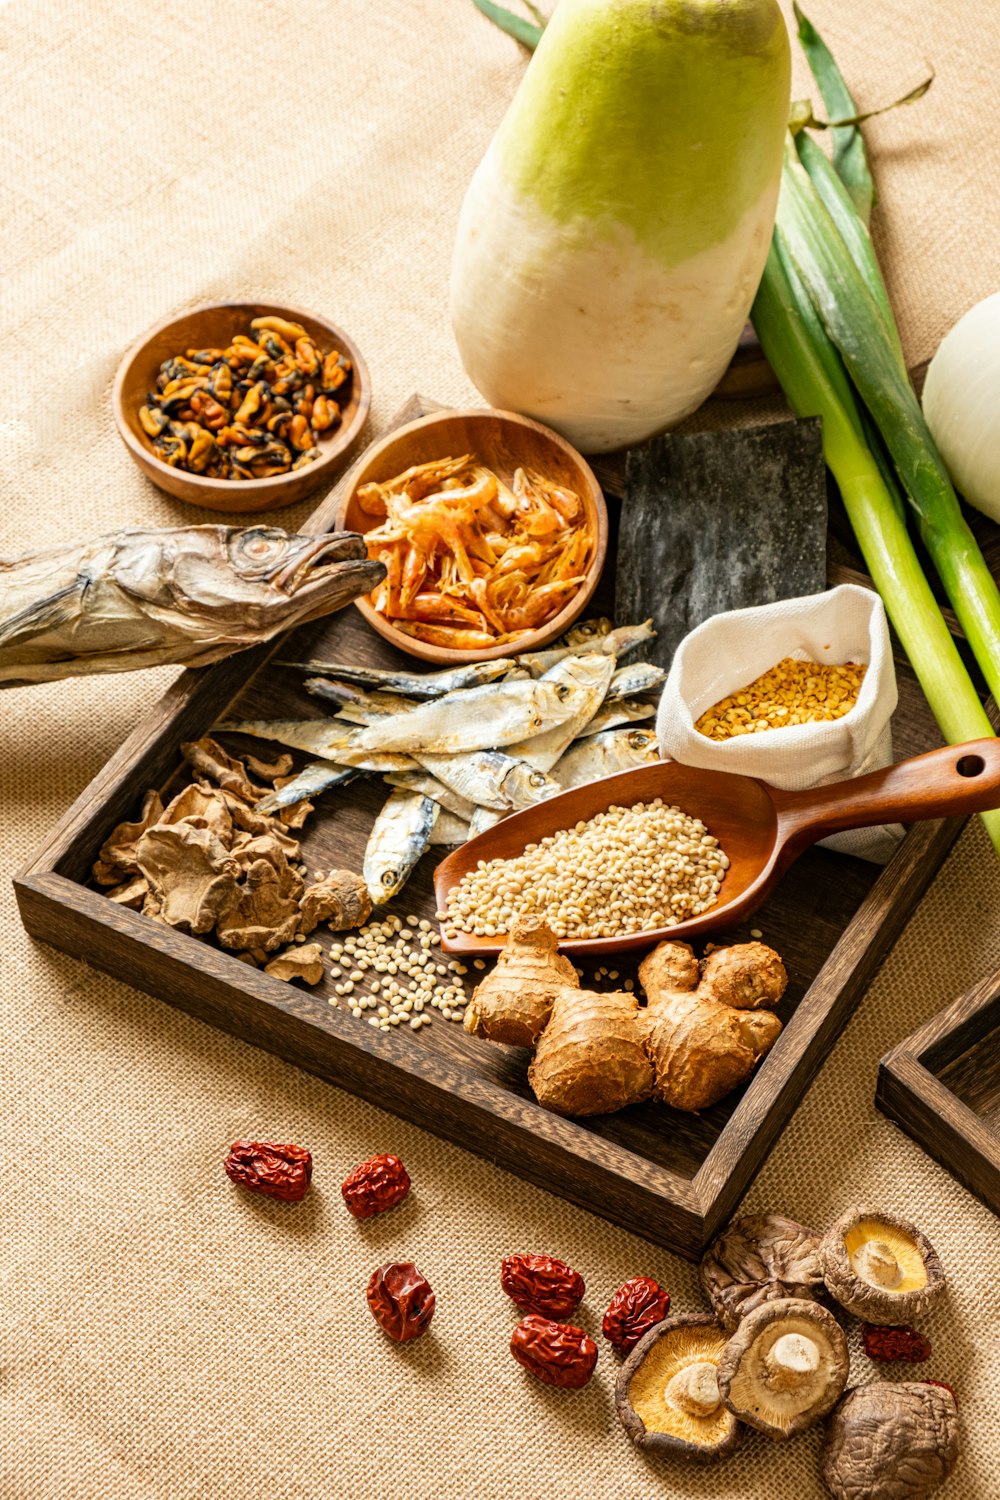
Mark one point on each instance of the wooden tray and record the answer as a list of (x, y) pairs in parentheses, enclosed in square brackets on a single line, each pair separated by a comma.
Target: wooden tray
[(942, 1086), (672, 1178)]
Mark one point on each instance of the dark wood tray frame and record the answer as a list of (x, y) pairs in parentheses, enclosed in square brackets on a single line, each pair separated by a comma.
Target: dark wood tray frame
[(622, 1167), (942, 1086)]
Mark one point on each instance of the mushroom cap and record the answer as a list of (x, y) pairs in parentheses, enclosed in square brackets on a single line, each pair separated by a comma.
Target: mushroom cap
[(891, 1441), (881, 1267), (666, 1394), (760, 1259), (784, 1367)]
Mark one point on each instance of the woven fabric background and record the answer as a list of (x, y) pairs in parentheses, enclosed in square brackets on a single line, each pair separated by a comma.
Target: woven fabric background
[(162, 1336)]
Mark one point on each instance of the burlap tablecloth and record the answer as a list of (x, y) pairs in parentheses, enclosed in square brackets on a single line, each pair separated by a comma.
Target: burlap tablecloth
[(163, 1335)]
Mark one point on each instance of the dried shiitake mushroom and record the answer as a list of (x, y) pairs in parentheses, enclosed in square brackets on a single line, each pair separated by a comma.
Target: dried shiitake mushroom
[(891, 1441), (784, 1367), (881, 1267), (191, 875), (759, 1259), (667, 1394)]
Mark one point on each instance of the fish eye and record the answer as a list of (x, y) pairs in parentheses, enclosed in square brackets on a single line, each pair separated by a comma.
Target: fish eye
[(257, 545), (388, 878), (537, 778)]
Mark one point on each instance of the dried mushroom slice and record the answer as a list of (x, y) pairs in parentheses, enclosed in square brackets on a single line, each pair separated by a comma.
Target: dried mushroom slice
[(667, 1394), (891, 1442), (784, 1367), (191, 875), (881, 1267), (760, 1259), (301, 961)]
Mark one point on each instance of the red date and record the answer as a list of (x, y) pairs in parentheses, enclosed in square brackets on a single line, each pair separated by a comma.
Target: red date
[(555, 1353), (266, 1167), (896, 1342), (636, 1307), (401, 1300), (376, 1185), (540, 1284)]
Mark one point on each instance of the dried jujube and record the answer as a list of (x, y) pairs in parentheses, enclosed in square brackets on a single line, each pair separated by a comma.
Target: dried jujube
[(401, 1300), (555, 1353), (637, 1306), (280, 1171), (904, 1343), (374, 1186), (541, 1284)]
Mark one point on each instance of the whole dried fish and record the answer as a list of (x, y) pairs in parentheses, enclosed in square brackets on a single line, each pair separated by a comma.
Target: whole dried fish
[(401, 834), (603, 754), (412, 684), (146, 597), (489, 778), (606, 642), (318, 776), (588, 678), (492, 716)]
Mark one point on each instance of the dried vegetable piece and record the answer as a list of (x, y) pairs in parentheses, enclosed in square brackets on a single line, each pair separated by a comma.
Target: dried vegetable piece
[(401, 1300), (375, 1186), (251, 410), (279, 1171), (301, 961), (888, 1344), (785, 1367), (667, 1392), (759, 1259), (637, 1306), (191, 876), (541, 1284), (470, 561), (118, 852), (557, 1354), (341, 900), (891, 1441), (881, 1267)]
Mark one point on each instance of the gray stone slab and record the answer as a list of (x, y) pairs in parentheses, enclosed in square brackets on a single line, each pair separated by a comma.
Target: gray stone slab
[(713, 521)]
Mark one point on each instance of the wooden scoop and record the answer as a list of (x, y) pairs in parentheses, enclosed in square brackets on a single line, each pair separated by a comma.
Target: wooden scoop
[(761, 829)]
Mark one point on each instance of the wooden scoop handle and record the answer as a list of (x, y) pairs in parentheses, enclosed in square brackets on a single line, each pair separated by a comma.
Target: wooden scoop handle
[(941, 784)]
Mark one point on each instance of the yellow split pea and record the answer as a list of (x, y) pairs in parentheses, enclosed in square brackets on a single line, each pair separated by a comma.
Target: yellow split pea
[(792, 692)]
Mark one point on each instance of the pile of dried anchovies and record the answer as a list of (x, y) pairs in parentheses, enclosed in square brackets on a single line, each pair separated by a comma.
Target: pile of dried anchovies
[(464, 747)]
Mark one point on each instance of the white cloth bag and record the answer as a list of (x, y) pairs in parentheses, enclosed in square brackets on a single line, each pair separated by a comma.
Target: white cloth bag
[(729, 651)]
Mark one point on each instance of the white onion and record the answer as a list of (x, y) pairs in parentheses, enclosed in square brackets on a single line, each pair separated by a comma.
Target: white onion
[(962, 404)]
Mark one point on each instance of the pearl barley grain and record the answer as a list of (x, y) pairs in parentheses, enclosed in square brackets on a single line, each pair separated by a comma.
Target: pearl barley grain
[(666, 867)]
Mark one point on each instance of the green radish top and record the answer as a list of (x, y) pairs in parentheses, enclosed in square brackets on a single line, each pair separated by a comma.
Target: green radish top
[(666, 117)]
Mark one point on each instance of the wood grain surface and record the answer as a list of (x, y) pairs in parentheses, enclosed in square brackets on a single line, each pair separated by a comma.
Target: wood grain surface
[(942, 1086), (670, 1177)]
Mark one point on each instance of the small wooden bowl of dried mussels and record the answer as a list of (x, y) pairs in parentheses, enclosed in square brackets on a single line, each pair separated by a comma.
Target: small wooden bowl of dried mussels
[(241, 406)]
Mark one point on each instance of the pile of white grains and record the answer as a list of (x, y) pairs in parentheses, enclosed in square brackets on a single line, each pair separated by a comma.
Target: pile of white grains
[(630, 869), (391, 973)]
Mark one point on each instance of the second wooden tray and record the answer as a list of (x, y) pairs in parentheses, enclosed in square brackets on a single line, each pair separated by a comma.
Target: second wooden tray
[(673, 1178)]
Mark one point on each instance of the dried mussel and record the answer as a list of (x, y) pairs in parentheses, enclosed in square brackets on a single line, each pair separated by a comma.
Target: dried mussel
[(251, 410)]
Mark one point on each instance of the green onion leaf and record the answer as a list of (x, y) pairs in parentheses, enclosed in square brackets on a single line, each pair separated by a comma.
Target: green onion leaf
[(523, 31), (849, 155)]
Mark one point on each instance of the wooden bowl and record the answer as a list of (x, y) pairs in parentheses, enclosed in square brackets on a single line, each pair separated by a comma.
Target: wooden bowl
[(213, 326), (503, 441)]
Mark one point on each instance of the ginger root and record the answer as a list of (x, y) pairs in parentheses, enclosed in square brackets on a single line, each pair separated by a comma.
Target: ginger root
[(702, 1032)]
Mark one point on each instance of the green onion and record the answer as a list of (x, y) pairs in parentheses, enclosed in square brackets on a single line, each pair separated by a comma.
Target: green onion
[(526, 32), (850, 159), (855, 325)]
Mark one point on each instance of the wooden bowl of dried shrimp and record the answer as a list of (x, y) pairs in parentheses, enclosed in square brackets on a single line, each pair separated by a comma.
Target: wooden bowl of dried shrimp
[(493, 529)]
